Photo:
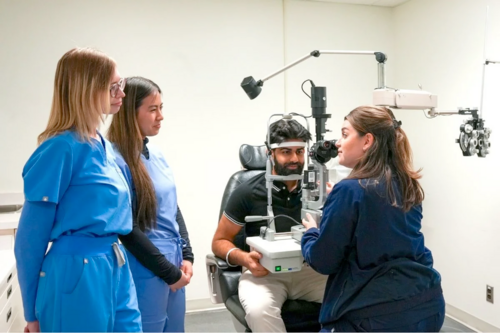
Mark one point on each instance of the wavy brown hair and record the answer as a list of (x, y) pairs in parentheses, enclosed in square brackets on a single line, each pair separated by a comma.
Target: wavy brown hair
[(389, 156), (81, 93), (124, 132)]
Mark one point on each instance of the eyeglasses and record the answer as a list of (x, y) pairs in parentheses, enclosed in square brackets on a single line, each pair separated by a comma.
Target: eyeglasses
[(120, 85)]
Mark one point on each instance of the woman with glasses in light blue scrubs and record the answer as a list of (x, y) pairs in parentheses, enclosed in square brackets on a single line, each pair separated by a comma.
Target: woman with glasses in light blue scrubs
[(77, 198), (158, 247)]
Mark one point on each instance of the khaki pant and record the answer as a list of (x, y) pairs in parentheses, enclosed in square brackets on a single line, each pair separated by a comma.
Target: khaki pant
[(262, 297)]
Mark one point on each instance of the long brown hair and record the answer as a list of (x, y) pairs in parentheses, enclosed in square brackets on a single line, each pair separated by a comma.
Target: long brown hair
[(81, 96), (389, 155), (125, 133)]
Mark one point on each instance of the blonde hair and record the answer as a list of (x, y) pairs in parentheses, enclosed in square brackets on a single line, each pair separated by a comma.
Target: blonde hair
[(81, 97)]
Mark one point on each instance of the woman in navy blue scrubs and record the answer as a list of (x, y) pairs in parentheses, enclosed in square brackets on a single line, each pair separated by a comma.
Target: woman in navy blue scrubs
[(77, 198), (381, 275), (158, 248)]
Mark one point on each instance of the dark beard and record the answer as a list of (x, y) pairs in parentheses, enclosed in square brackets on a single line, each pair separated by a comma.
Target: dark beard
[(282, 170)]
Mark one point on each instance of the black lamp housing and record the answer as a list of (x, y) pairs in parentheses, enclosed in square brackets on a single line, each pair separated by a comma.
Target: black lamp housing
[(252, 88)]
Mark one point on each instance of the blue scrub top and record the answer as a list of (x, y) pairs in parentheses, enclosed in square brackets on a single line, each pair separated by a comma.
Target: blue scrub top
[(165, 190), (83, 179)]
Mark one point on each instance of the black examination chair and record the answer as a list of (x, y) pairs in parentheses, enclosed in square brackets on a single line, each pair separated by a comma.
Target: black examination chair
[(299, 316)]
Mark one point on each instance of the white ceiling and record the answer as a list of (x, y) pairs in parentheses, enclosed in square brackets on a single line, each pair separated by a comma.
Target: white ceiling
[(385, 3)]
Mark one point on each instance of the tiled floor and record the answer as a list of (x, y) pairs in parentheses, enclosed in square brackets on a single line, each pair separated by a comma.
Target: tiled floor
[(220, 321), (209, 321)]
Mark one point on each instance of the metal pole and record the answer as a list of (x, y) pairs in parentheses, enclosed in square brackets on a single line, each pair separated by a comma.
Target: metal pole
[(347, 52), (381, 75), (286, 67)]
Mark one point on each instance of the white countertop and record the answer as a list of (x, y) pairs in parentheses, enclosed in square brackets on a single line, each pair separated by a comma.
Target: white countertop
[(14, 198), (9, 220), (7, 259)]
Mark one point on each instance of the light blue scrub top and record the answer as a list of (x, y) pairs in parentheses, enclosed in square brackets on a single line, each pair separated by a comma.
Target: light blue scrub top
[(165, 190), (83, 179)]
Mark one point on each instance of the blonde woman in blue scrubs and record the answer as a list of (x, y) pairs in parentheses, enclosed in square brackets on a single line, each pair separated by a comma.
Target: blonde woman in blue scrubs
[(158, 247), (77, 198)]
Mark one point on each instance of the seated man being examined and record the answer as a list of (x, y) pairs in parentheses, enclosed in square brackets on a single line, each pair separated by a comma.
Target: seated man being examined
[(262, 293)]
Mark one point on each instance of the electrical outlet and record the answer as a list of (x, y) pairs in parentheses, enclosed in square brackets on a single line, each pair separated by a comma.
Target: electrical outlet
[(489, 294)]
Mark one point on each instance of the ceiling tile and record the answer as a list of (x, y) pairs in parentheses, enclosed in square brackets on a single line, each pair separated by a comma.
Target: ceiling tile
[(385, 3), (389, 3), (351, 2)]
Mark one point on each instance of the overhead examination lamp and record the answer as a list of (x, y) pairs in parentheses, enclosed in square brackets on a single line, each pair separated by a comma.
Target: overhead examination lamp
[(253, 88), (382, 95), (318, 94)]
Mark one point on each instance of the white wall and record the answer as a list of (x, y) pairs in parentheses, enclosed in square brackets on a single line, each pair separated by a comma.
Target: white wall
[(439, 44), (198, 52), (349, 79)]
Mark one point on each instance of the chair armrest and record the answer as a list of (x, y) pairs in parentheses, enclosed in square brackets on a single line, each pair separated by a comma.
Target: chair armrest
[(222, 279), (212, 259)]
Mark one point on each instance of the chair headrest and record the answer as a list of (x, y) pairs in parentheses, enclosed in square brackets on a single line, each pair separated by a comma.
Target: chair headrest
[(253, 157)]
